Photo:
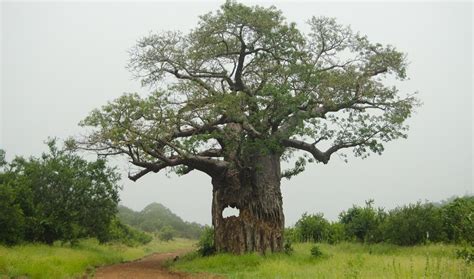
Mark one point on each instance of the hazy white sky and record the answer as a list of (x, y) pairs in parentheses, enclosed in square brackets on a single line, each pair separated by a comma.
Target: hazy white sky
[(61, 60)]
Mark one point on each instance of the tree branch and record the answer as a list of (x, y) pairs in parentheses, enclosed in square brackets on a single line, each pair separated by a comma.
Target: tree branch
[(311, 148)]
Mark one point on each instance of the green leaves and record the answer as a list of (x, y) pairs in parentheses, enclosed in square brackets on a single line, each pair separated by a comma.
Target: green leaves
[(244, 81), (58, 196)]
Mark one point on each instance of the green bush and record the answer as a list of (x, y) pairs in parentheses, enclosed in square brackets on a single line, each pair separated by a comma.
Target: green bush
[(167, 233), (206, 245), (312, 228), (458, 216), (363, 223), (59, 196), (336, 233), (125, 234), (414, 224), (11, 217), (291, 234), (288, 246), (316, 251), (466, 254)]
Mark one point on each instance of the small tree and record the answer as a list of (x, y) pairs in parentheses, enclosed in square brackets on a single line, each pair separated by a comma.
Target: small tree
[(244, 90), (312, 228), (458, 216), (414, 224), (11, 216), (60, 196), (167, 233), (362, 223)]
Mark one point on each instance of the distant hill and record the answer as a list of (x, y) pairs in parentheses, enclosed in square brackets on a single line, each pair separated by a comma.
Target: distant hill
[(155, 216)]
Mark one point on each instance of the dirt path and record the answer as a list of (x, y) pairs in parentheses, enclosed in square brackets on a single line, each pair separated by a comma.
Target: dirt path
[(151, 266)]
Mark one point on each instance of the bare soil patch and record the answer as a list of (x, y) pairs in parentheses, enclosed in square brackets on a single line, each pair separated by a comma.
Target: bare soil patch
[(152, 266)]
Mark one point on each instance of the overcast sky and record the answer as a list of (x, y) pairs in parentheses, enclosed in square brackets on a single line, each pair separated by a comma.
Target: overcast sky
[(61, 60)]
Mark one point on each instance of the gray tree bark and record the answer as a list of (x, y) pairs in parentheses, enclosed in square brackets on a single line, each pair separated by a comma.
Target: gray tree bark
[(255, 191)]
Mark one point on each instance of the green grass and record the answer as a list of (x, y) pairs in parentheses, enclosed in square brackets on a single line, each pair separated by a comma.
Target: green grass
[(43, 261), (345, 260)]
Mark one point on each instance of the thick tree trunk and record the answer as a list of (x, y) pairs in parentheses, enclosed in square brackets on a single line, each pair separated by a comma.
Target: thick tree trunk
[(255, 191)]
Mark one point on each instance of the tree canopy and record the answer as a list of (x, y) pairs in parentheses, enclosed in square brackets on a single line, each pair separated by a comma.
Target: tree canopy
[(58, 196), (246, 81)]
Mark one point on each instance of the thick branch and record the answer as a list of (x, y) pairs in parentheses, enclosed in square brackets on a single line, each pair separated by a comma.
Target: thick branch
[(326, 155), (206, 164), (311, 148)]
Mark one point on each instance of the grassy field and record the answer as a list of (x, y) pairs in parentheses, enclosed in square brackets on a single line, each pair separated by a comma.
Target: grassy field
[(345, 260), (43, 261)]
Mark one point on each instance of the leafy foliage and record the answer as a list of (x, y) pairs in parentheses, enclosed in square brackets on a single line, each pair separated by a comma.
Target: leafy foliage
[(167, 233), (11, 216), (405, 225), (362, 223), (59, 196), (459, 220), (316, 251), (337, 233), (206, 245), (312, 228), (467, 254), (414, 224), (288, 246), (247, 81), (119, 232)]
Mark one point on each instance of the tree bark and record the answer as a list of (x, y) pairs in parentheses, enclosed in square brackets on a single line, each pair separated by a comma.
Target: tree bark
[(254, 190)]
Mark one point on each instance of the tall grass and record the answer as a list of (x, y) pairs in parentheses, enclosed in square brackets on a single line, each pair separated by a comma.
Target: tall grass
[(43, 261), (345, 260)]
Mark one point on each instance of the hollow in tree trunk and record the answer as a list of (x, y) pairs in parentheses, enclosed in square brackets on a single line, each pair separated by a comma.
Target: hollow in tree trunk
[(255, 191)]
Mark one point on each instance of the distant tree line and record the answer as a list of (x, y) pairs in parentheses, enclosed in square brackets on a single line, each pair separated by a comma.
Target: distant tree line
[(60, 196), (156, 218), (411, 224)]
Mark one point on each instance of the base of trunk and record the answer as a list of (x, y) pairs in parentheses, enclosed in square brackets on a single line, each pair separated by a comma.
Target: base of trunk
[(255, 192)]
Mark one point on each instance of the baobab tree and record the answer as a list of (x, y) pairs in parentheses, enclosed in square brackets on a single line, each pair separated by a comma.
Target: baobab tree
[(243, 91)]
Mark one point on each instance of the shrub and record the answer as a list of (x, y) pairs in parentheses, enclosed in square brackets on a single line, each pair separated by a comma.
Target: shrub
[(11, 217), (167, 233), (362, 223), (316, 251), (414, 224), (291, 234), (206, 245), (312, 228), (458, 218), (466, 254), (336, 233), (119, 232), (61, 196), (288, 247)]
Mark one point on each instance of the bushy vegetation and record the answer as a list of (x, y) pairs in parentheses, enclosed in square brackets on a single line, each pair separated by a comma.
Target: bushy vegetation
[(316, 251), (154, 217), (450, 222), (58, 196), (458, 218), (206, 245), (312, 228), (363, 223), (119, 232), (167, 233), (414, 224), (467, 254)]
